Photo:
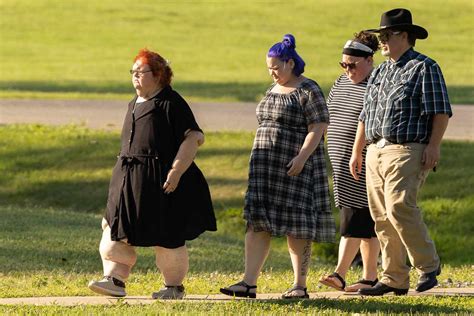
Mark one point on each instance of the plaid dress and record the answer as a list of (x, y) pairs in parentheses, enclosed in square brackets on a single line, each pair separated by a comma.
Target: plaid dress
[(275, 202)]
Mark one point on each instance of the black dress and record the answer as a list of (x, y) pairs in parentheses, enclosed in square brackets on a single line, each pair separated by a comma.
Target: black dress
[(137, 207)]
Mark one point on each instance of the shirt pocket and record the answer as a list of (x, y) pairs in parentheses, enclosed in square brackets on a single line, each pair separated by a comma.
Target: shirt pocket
[(373, 91), (404, 94)]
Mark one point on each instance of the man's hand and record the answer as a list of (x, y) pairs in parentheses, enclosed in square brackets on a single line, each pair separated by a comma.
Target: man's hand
[(431, 156)]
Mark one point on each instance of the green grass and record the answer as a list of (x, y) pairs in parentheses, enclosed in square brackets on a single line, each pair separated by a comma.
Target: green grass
[(53, 191), (374, 306), (83, 49)]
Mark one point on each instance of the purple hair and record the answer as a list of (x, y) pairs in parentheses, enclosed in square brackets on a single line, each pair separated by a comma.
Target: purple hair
[(285, 50)]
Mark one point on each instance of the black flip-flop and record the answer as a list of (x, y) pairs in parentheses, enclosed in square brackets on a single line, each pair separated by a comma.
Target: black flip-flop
[(295, 297)]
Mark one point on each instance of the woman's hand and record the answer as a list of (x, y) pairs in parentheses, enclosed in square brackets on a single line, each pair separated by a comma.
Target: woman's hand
[(295, 166), (185, 156), (172, 181), (355, 165)]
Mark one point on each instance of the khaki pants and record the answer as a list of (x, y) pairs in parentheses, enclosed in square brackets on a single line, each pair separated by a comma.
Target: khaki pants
[(394, 177)]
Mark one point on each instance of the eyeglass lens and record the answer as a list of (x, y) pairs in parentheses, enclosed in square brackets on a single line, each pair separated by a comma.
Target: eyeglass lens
[(138, 72), (385, 36), (347, 65)]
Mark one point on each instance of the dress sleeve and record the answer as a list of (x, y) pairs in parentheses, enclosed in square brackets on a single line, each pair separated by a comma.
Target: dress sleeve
[(334, 86), (182, 119), (314, 107)]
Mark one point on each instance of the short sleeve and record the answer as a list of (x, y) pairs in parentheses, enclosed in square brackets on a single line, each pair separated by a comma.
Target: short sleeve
[(363, 112), (182, 119), (330, 95), (370, 83), (314, 108), (434, 92), (334, 87)]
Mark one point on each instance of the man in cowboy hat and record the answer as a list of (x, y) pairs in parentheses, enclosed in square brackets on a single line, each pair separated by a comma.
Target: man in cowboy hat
[(406, 111)]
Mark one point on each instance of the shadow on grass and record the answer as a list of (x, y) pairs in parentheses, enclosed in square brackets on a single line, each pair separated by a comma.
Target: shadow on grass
[(88, 196), (38, 239), (72, 154), (454, 169), (244, 92), (56, 176), (370, 305), (212, 152)]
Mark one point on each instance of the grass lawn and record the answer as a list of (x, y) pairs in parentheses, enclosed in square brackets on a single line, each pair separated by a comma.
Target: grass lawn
[(84, 48), (53, 191)]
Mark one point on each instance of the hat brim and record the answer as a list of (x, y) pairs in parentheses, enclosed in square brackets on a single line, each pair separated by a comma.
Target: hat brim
[(420, 32)]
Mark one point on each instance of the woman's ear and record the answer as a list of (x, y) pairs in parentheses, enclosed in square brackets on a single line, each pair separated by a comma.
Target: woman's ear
[(291, 63), (370, 60)]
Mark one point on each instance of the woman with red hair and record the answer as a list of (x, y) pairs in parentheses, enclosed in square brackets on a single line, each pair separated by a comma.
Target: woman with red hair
[(158, 197)]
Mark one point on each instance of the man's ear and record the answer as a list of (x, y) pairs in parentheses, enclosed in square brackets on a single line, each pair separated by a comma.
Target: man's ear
[(404, 35)]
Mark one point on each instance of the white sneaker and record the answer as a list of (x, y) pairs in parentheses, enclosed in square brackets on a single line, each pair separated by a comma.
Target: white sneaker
[(108, 286), (169, 293)]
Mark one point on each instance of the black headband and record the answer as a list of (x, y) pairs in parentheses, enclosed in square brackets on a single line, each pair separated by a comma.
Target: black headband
[(356, 52)]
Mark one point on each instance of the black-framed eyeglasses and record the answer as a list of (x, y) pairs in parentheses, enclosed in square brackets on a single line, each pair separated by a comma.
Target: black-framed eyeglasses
[(138, 72), (385, 35), (349, 65)]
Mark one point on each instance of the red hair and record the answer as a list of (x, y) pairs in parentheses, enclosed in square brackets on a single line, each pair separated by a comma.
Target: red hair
[(158, 65)]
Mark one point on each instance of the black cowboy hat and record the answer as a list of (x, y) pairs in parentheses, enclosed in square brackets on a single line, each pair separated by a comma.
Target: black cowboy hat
[(400, 19)]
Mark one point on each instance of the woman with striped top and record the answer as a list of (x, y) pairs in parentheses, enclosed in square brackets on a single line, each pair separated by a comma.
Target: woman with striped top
[(345, 104)]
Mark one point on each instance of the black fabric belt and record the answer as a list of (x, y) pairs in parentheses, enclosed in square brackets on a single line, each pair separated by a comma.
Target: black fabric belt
[(128, 160), (131, 156)]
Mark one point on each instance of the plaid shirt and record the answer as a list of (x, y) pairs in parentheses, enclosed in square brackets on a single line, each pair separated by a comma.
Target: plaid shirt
[(401, 99)]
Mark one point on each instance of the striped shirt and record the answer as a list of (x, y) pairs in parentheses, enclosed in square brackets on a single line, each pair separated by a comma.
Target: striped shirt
[(345, 103), (402, 97)]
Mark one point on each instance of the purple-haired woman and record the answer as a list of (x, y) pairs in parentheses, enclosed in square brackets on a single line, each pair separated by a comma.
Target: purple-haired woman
[(288, 193)]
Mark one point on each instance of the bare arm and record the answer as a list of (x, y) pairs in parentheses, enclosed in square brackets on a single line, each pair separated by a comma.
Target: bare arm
[(185, 156), (315, 132), (355, 164), (432, 152)]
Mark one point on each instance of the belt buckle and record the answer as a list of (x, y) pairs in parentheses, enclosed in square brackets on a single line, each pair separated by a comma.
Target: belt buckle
[(381, 143)]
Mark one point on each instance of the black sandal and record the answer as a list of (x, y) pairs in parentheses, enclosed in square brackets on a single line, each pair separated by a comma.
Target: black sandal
[(367, 282), (228, 291), (295, 288), (332, 284), (362, 281)]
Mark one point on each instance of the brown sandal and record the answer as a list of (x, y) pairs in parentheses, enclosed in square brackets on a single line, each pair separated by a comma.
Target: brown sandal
[(328, 281)]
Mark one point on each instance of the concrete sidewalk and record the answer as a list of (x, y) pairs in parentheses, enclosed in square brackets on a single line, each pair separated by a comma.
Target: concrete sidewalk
[(109, 115), (107, 300)]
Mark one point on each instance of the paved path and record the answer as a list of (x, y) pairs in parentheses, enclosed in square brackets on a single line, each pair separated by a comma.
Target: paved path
[(211, 116), (105, 300)]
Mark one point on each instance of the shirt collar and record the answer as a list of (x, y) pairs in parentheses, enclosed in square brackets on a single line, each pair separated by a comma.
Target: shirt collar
[(406, 57)]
